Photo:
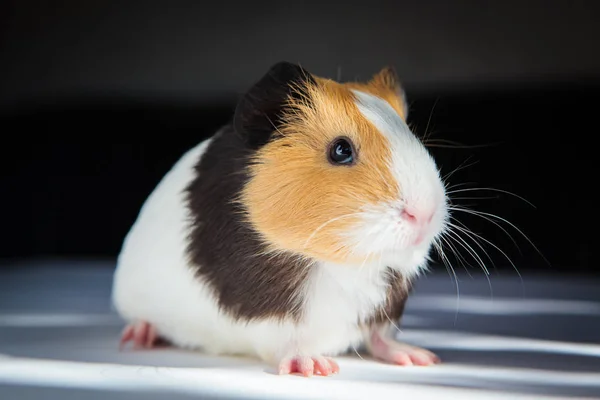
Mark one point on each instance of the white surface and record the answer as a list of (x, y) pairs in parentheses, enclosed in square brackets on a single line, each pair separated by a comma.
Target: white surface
[(536, 339)]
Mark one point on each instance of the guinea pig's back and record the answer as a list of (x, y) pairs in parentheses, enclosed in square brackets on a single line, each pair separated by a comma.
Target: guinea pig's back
[(153, 280)]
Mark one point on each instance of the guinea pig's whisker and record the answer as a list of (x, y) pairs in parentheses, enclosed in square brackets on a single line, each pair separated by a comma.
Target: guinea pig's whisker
[(491, 244), (471, 235), (460, 258), (450, 270), (442, 254), (449, 187), (440, 249), (383, 308), (428, 133), (391, 322), (362, 265), (356, 351), (449, 144), (468, 210), (460, 228), (452, 237), (489, 216), (327, 223), (475, 198), (492, 190), (453, 276), (463, 165), (469, 249), (433, 141)]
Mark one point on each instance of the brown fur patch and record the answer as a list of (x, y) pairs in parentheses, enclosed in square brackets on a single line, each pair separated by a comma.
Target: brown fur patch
[(300, 202), (226, 253)]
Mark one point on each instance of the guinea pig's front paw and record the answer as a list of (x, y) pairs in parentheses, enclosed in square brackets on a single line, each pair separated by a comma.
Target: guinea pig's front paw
[(308, 366), (391, 351)]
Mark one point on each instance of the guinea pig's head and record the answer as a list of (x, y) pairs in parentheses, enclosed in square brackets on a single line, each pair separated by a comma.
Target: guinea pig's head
[(335, 174)]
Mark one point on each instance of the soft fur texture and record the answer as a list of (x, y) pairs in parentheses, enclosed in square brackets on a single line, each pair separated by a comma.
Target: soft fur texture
[(256, 244)]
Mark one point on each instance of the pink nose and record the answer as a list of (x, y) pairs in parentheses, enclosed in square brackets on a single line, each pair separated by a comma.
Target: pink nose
[(418, 217)]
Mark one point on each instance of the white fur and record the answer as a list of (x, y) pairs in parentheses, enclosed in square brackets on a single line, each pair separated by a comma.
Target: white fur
[(153, 282), (383, 232)]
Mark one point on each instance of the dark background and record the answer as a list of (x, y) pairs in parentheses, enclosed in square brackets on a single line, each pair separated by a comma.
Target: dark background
[(99, 99)]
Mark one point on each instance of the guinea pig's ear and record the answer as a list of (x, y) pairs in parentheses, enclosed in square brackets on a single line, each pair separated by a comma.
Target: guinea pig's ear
[(258, 112), (387, 79)]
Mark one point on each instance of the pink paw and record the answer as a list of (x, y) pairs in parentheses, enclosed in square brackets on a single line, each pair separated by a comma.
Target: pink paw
[(142, 333), (308, 366), (394, 352)]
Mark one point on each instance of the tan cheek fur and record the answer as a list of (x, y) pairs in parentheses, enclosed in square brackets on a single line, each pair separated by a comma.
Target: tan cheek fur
[(296, 198)]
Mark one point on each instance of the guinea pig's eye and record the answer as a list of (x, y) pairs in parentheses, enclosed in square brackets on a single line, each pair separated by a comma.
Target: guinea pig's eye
[(341, 151)]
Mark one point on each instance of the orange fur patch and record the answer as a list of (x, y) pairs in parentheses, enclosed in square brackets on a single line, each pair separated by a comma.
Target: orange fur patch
[(296, 198)]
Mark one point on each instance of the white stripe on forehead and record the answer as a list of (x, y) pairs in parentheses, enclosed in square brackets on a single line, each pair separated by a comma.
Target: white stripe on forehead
[(381, 114), (410, 161)]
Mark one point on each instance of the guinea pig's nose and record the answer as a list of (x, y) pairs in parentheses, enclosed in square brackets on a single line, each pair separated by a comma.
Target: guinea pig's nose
[(409, 216), (417, 216)]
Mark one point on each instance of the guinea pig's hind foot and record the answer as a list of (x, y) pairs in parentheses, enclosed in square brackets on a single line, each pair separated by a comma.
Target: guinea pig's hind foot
[(141, 333), (389, 350), (308, 366)]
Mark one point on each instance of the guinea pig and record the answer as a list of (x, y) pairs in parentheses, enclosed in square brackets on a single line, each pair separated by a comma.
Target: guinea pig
[(293, 234)]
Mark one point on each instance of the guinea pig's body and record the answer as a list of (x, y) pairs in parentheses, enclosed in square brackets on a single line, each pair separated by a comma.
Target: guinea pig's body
[(291, 235)]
